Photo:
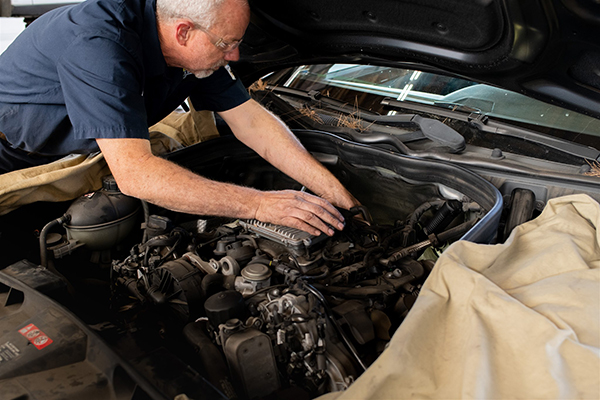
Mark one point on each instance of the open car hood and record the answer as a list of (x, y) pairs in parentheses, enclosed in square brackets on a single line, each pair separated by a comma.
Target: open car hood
[(546, 50)]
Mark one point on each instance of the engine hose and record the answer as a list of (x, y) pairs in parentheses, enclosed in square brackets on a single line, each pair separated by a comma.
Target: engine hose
[(172, 250), (146, 218), (370, 252), (444, 215), (131, 285), (44, 234), (250, 238), (333, 321), (157, 241), (456, 232), (364, 212), (414, 217), (385, 244), (450, 234), (161, 241), (329, 258), (322, 275)]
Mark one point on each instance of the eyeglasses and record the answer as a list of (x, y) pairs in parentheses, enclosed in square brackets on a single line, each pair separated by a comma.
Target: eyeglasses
[(219, 42)]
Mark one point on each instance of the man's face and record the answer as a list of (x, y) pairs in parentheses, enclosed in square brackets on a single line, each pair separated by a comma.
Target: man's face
[(204, 57)]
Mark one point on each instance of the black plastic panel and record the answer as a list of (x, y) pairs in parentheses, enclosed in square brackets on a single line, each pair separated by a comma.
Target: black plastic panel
[(440, 23), (47, 354)]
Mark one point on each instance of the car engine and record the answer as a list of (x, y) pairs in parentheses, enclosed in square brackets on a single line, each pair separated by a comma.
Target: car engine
[(267, 307)]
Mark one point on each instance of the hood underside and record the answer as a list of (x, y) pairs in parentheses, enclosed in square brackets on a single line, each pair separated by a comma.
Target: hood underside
[(547, 50)]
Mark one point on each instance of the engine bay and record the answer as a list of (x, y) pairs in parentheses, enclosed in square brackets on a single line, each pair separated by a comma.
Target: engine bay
[(260, 309), (213, 307)]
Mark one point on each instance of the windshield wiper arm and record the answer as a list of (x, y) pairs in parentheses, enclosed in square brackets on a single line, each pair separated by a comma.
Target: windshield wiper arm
[(458, 107)]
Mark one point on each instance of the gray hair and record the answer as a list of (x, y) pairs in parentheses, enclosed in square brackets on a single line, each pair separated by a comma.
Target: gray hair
[(202, 12)]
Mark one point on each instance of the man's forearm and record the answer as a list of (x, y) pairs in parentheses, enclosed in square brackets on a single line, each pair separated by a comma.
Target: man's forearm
[(272, 139), (304, 168), (141, 174), (171, 186)]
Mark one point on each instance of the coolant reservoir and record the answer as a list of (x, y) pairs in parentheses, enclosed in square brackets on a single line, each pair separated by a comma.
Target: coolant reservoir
[(103, 218)]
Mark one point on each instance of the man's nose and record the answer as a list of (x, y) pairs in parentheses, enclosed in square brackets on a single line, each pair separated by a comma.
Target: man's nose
[(232, 55)]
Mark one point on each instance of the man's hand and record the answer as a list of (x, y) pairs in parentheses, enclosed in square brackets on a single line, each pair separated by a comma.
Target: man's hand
[(299, 210), (341, 198)]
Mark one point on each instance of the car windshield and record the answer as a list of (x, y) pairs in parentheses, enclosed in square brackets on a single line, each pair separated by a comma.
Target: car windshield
[(364, 86)]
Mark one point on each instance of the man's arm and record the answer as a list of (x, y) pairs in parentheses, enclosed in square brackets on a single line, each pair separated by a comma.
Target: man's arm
[(141, 174), (271, 138)]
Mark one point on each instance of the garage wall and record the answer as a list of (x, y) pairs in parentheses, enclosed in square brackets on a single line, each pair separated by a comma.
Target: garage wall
[(9, 29)]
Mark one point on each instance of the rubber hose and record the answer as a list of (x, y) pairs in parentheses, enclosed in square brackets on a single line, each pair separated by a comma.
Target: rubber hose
[(44, 234)]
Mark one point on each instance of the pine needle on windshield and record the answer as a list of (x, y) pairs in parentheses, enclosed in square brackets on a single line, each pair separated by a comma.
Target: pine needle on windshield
[(310, 113), (353, 120), (595, 171)]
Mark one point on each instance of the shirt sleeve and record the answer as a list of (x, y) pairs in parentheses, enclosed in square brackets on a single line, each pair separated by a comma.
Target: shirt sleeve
[(221, 91), (102, 88)]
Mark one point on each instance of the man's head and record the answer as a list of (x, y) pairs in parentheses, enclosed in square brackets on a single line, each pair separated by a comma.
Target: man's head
[(201, 35)]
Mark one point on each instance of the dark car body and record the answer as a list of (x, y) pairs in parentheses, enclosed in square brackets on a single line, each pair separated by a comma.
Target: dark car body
[(106, 310)]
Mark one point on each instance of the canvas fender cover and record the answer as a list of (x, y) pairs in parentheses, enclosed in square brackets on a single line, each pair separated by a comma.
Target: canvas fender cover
[(513, 320)]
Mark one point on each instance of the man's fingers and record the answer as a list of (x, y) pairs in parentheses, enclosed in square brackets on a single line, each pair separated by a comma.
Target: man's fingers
[(323, 210), (310, 219), (303, 226), (300, 210)]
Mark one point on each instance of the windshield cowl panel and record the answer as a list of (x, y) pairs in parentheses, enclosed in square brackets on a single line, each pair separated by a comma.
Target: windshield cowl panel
[(363, 87)]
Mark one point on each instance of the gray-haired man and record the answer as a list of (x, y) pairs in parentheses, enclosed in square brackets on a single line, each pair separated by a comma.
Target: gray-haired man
[(95, 75)]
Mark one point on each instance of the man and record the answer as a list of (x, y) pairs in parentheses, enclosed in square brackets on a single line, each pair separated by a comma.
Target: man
[(96, 75)]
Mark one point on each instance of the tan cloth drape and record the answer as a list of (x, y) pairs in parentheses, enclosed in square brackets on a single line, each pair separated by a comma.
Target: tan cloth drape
[(74, 175), (188, 128), (519, 320)]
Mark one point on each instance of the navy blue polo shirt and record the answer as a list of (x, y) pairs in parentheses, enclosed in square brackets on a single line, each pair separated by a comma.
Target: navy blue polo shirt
[(96, 70)]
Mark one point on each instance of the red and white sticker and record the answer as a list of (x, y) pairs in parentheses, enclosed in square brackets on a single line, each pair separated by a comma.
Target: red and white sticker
[(35, 336)]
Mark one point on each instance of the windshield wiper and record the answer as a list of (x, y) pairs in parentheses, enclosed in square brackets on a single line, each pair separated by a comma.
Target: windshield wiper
[(429, 128), (458, 107), (484, 123)]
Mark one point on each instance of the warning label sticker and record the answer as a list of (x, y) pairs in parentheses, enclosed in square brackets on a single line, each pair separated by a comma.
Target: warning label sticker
[(8, 351), (35, 336)]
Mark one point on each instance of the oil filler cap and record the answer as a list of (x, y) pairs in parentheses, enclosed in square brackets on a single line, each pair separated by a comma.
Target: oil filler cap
[(223, 306)]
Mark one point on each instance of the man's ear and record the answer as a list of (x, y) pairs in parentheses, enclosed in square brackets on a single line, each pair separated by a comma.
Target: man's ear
[(183, 31)]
